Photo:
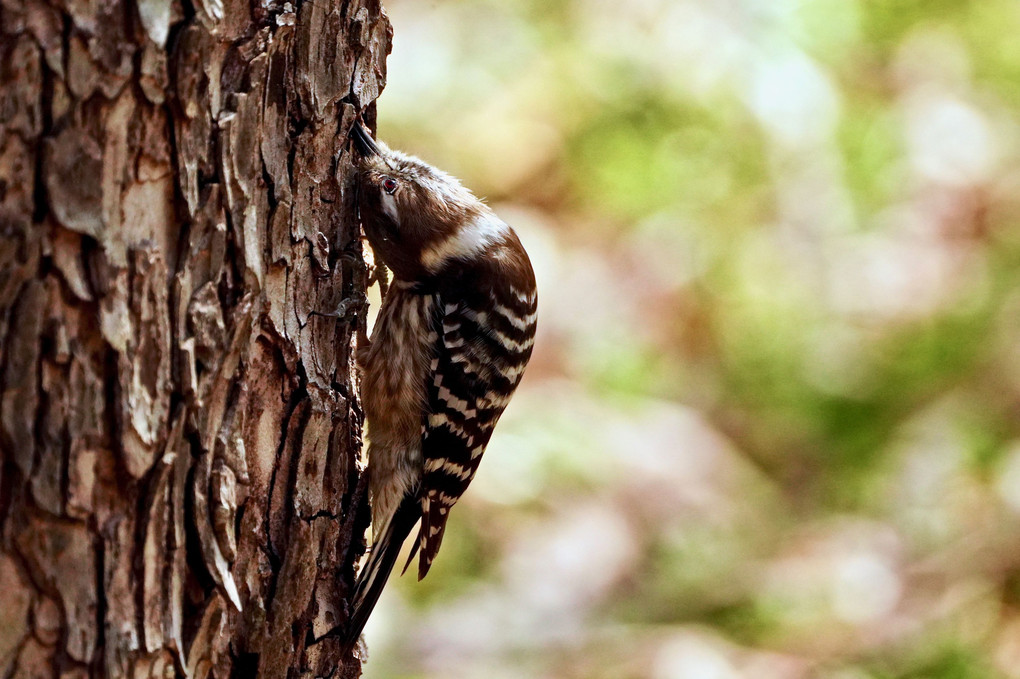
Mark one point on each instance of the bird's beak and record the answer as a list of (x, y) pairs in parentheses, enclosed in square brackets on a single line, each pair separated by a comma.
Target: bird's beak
[(363, 141)]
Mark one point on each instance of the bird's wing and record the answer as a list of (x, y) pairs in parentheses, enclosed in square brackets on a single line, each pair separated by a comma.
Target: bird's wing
[(483, 343)]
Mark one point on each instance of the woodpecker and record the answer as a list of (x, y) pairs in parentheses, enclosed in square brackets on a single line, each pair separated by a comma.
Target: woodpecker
[(453, 337)]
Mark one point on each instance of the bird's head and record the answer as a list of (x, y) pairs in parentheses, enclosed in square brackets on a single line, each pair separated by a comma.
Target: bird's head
[(418, 219)]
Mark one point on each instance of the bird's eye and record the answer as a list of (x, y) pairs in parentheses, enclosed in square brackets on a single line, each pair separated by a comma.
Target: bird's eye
[(389, 185)]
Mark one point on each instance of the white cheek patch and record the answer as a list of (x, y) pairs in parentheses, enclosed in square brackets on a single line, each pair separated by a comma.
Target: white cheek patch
[(389, 206), (468, 240)]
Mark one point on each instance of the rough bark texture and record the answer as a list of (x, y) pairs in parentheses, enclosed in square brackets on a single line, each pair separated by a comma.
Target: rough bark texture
[(179, 429)]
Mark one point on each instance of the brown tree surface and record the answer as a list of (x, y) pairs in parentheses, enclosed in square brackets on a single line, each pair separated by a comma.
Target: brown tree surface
[(179, 429)]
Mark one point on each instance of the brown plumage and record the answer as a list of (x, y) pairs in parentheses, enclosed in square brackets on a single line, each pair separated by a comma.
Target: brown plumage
[(453, 337)]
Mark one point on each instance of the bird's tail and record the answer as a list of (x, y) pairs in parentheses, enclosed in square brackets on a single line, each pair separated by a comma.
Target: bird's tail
[(376, 572)]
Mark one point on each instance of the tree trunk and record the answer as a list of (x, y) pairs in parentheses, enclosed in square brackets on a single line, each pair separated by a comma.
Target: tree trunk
[(179, 489)]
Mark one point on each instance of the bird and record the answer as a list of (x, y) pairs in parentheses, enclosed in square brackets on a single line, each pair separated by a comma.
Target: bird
[(453, 337)]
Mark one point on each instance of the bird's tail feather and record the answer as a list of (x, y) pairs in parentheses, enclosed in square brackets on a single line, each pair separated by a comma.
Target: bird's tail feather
[(376, 572)]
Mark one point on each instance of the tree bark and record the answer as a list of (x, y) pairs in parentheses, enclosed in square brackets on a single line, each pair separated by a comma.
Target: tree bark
[(180, 429)]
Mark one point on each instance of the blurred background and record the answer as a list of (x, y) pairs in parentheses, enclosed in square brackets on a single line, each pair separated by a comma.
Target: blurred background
[(772, 424)]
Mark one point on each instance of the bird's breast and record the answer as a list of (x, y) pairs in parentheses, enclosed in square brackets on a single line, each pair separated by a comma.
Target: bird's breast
[(396, 367)]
